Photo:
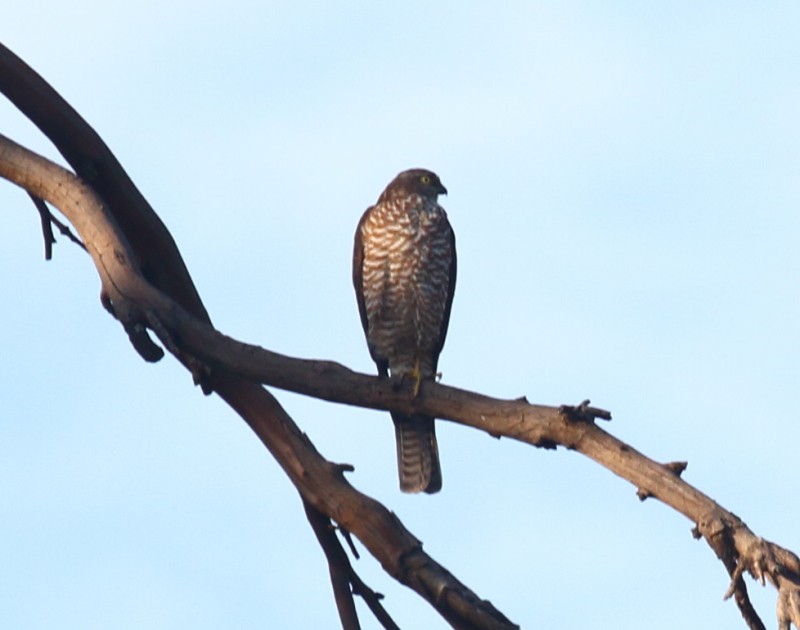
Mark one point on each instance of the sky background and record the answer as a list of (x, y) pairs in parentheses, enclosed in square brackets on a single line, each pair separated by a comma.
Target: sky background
[(624, 188)]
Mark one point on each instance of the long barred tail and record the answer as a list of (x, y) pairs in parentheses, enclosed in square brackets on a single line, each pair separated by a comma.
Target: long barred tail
[(417, 454)]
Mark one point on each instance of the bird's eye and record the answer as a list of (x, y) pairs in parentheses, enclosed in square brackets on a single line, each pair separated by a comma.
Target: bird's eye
[(426, 180)]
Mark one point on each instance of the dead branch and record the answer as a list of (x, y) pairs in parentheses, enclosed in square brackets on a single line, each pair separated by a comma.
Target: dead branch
[(319, 482), (47, 226), (147, 287), (344, 580), (338, 566), (48, 221)]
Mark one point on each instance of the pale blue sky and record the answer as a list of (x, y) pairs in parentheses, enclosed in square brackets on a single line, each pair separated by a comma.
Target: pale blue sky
[(623, 183)]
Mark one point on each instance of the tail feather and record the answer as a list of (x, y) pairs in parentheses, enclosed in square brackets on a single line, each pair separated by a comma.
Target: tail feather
[(417, 454)]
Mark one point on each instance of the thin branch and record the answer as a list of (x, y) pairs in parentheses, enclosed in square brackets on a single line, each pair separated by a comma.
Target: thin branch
[(725, 549), (48, 220), (338, 566), (373, 601), (346, 582), (349, 540), (47, 226)]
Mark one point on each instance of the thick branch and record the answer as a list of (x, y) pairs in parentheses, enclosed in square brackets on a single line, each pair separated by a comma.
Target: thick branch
[(319, 482), (155, 251), (146, 285), (534, 424)]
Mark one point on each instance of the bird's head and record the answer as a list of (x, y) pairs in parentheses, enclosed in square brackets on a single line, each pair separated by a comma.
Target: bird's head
[(415, 181)]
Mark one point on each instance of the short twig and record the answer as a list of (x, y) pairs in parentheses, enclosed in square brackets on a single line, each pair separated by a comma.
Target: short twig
[(348, 538), (47, 227), (48, 220), (676, 468), (373, 601), (584, 413)]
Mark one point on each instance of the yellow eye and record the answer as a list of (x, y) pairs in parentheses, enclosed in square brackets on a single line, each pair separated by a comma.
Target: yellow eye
[(426, 180)]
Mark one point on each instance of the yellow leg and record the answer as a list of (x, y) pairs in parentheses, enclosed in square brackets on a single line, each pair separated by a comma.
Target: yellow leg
[(416, 374)]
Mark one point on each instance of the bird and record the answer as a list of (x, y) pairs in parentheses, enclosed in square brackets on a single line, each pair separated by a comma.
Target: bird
[(404, 275)]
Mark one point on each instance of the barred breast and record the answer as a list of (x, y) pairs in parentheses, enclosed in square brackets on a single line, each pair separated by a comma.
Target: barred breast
[(407, 254)]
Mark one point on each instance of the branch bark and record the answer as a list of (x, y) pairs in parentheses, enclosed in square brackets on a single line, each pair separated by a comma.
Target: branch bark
[(344, 580), (147, 287), (319, 482)]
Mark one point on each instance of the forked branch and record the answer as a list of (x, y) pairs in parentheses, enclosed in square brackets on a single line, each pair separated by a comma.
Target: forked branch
[(320, 483), (147, 287)]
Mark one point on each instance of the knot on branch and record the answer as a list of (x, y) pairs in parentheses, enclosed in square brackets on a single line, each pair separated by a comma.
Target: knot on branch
[(742, 551), (717, 532), (584, 413), (676, 468), (201, 372), (341, 469), (766, 561), (133, 321), (757, 559), (142, 343)]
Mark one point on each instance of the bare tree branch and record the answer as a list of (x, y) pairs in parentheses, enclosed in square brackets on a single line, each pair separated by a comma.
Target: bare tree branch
[(156, 253), (47, 226), (319, 482), (538, 425), (338, 566), (48, 221), (344, 579), (147, 287)]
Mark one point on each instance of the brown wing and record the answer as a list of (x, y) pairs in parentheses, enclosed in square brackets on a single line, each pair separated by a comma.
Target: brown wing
[(358, 271), (451, 289), (358, 285)]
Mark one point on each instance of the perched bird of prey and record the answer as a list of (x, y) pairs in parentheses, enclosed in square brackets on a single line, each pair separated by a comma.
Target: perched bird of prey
[(404, 274)]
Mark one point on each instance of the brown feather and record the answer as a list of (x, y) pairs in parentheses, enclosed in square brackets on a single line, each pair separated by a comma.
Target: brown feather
[(404, 276)]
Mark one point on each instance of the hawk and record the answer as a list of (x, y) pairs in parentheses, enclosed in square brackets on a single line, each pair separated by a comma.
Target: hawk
[(404, 274)]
